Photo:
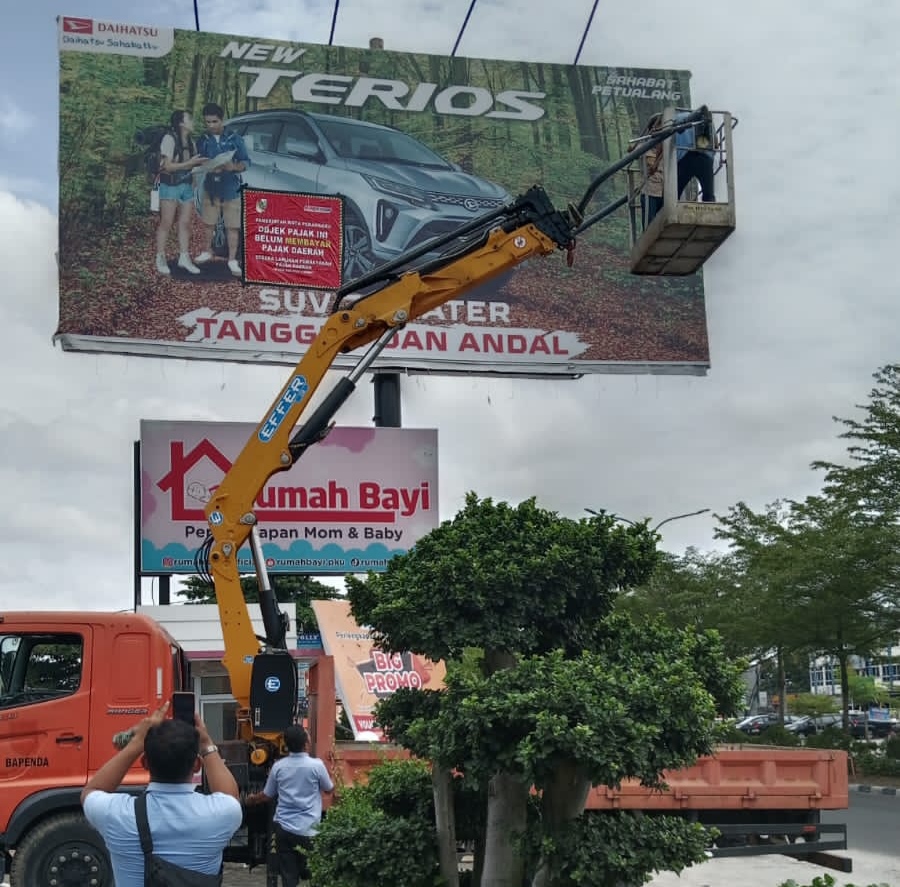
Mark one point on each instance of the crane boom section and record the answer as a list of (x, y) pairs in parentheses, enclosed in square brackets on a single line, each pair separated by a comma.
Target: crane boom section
[(230, 512)]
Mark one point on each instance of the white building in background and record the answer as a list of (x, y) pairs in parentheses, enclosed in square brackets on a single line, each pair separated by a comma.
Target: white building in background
[(197, 629), (825, 672)]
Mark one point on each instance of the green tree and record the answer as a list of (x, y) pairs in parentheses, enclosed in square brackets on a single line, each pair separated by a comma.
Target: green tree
[(871, 478), (699, 590), (298, 590), (865, 692), (826, 574), (813, 704), (560, 679)]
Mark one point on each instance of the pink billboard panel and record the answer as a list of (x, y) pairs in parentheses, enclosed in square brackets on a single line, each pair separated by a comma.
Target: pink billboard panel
[(354, 501)]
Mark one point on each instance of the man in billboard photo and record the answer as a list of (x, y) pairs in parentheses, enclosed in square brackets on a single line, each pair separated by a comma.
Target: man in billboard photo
[(220, 189), (178, 156)]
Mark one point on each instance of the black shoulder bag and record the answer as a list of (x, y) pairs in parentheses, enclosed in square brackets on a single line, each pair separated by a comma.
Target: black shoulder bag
[(160, 872)]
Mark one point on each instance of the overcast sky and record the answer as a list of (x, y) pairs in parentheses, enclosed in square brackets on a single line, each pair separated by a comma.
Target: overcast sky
[(803, 302)]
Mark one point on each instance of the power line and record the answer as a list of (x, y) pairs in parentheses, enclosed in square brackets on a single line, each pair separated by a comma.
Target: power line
[(196, 16), (586, 29), (463, 28), (334, 15)]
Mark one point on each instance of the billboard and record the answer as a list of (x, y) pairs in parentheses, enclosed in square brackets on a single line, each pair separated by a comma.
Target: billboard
[(363, 673), (352, 502), (413, 145)]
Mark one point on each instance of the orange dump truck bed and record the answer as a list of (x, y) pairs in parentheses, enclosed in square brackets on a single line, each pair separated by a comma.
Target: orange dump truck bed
[(742, 777), (748, 777)]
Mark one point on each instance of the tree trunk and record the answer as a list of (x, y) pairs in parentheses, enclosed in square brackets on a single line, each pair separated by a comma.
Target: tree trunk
[(445, 823), (782, 685), (506, 818), (845, 691), (562, 800)]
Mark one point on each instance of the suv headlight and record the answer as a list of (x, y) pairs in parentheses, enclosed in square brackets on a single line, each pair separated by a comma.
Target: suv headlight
[(415, 196)]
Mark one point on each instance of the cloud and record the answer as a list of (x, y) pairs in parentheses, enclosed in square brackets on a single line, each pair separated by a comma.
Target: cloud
[(15, 122), (801, 302)]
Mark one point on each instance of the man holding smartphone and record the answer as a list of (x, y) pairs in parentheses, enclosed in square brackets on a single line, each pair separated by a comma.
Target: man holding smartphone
[(188, 828)]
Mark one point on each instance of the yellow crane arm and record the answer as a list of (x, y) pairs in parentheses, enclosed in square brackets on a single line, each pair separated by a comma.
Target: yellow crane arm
[(372, 319), (483, 249)]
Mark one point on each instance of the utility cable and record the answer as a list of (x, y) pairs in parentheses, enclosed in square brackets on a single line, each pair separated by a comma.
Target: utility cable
[(463, 28), (587, 28), (334, 15)]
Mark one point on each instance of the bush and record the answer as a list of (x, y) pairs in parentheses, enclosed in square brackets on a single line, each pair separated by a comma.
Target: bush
[(822, 881), (380, 832), (402, 788), (892, 748), (830, 737), (622, 847), (777, 735), (870, 764)]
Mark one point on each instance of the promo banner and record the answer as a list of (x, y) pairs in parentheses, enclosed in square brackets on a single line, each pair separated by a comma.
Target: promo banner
[(415, 145), (354, 501), (363, 673)]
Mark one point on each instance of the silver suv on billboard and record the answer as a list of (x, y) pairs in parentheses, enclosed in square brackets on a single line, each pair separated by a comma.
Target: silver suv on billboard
[(398, 192)]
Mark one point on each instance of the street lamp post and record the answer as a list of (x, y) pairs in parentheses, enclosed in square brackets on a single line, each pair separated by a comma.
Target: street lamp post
[(674, 517)]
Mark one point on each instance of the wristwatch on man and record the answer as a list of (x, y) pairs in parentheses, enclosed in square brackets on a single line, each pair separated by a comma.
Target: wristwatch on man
[(208, 750)]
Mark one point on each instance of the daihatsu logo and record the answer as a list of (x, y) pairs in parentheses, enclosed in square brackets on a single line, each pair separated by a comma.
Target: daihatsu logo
[(471, 204)]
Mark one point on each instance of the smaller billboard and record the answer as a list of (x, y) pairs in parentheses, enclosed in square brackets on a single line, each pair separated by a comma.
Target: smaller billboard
[(292, 239), (354, 501), (364, 674)]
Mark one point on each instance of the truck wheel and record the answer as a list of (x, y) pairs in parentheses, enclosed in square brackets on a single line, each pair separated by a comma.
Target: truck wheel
[(63, 850)]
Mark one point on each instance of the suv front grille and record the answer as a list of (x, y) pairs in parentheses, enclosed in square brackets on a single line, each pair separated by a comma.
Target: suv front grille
[(472, 204)]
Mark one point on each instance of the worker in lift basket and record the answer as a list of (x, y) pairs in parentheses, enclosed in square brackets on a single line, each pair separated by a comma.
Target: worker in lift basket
[(696, 154)]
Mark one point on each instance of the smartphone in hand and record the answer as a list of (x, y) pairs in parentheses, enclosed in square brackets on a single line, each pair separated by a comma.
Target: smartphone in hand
[(183, 707)]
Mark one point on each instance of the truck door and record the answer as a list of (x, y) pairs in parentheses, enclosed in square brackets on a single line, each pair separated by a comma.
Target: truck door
[(44, 709)]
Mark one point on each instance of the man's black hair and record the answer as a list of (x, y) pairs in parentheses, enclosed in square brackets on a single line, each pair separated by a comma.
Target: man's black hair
[(213, 110), (171, 750), (295, 738)]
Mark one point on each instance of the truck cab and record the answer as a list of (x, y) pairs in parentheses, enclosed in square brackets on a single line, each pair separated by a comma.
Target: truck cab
[(69, 682)]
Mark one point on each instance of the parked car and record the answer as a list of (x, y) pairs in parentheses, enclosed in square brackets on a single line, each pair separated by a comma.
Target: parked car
[(398, 192), (878, 729), (809, 726), (755, 725)]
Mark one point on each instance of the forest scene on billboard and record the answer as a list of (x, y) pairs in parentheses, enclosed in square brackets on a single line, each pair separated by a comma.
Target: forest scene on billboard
[(414, 145)]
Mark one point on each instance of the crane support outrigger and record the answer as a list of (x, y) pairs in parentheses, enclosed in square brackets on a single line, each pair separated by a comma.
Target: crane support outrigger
[(367, 311)]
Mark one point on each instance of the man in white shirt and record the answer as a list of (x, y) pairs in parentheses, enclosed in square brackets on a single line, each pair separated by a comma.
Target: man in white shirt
[(298, 782), (188, 828)]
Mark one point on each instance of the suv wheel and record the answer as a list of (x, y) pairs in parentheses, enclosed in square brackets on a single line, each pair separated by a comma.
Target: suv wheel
[(358, 255)]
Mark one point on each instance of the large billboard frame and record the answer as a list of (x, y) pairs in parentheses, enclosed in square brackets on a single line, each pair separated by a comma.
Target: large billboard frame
[(414, 144)]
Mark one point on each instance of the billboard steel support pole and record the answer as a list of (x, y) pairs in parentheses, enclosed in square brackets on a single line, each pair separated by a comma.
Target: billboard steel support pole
[(387, 400), (136, 542)]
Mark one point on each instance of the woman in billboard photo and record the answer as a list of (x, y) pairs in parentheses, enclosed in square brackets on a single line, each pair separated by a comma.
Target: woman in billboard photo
[(177, 158)]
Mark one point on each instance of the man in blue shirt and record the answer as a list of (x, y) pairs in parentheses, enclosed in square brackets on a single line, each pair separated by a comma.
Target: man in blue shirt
[(693, 162), (221, 190), (188, 828), (298, 782)]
